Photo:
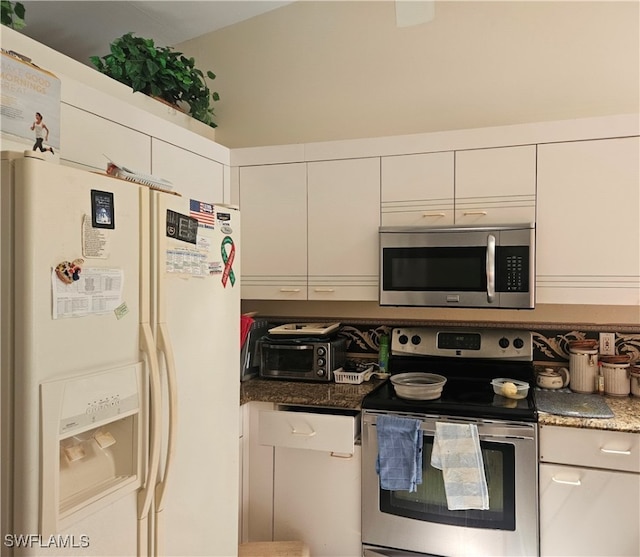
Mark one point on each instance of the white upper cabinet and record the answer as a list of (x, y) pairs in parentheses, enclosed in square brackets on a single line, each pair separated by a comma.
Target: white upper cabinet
[(322, 204), (588, 229), (90, 140), (481, 187), (495, 186), (188, 171), (344, 215), (417, 190), (273, 202)]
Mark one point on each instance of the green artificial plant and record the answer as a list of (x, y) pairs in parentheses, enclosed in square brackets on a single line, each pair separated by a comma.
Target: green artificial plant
[(12, 14), (160, 72)]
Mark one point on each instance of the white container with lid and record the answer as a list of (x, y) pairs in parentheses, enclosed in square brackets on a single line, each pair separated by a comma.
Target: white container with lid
[(615, 370), (634, 379), (583, 366)]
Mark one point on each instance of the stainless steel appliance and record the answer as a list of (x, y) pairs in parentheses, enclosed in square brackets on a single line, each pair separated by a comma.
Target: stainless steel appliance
[(458, 266), (302, 357), (403, 523)]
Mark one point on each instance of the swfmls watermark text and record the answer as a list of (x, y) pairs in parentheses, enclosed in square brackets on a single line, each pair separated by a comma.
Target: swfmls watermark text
[(55, 541)]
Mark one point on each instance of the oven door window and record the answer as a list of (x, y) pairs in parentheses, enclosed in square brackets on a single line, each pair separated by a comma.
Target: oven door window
[(429, 503), (292, 359), (432, 269)]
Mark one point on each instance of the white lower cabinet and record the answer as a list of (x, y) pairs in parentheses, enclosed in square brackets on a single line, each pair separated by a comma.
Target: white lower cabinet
[(315, 479), (589, 492), (316, 499)]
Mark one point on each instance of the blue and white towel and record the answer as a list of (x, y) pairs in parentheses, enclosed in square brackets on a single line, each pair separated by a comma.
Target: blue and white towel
[(456, 451), (399, 462)]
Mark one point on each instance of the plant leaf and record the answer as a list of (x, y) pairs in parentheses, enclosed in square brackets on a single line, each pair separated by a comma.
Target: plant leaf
[(19, 9)]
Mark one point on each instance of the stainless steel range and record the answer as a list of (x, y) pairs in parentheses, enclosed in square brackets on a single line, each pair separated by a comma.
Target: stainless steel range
[(407, 522)]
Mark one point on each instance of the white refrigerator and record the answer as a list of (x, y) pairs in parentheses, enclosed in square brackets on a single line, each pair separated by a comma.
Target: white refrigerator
[(119, 401)]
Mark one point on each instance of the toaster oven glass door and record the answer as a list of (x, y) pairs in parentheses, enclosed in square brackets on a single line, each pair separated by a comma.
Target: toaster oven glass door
[(290, 360)]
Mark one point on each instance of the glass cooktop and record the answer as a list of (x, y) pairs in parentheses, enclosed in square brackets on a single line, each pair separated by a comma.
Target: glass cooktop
[(467, 393)]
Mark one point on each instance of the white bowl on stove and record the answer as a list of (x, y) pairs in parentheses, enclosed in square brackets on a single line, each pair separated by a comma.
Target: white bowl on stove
[(418, 385)]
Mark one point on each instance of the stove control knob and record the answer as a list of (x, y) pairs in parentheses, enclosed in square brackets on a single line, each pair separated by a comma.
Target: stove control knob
[(415, 339), (320, 373), (518, 343), (504, 342), (403, 339)]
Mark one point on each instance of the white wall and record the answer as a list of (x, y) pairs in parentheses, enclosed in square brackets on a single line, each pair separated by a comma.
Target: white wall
[(323, 70)]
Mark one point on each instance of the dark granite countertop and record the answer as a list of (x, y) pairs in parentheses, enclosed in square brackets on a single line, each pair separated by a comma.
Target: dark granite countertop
[(340, 395), (301, 393)]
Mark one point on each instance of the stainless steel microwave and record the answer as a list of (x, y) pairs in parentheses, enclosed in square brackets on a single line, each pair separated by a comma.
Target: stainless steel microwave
[(470, 267)]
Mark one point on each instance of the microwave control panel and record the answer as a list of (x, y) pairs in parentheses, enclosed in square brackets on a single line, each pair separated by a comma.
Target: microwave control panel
[(512, 269)]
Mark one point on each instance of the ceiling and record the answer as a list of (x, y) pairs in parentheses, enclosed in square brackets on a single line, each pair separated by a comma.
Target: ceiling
[(81, 29)]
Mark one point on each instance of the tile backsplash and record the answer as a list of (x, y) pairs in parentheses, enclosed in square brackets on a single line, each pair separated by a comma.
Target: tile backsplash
[(550, 346)]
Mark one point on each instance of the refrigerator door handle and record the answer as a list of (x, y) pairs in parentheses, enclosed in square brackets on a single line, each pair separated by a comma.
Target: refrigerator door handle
[(155, 421), (165, 347)]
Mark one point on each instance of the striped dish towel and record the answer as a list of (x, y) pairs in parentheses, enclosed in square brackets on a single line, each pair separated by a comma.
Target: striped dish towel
[(456, 451)]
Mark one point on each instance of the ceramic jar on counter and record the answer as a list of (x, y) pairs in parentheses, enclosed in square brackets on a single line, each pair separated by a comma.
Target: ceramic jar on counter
[(583, 366), (634, 379), (615, 370)]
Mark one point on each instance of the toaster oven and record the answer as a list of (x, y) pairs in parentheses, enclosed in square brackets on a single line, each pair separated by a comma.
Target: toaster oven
[(303, 359)]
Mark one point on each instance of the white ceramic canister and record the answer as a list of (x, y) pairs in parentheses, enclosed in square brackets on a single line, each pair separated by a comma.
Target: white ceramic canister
[(583, 366), (615, 370), (634, 379)]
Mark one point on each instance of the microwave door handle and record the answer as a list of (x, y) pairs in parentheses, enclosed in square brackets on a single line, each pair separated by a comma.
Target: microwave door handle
[(491, 268)]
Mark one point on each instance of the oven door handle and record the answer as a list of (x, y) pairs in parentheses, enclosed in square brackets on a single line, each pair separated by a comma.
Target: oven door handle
[(491, 268), (288, 347), (486, 432)]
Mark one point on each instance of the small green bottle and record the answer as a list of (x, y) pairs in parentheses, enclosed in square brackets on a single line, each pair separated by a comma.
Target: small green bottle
[(383, 354)]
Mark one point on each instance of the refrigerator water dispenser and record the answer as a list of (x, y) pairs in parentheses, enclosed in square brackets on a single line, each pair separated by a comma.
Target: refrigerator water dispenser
[(92, 443)]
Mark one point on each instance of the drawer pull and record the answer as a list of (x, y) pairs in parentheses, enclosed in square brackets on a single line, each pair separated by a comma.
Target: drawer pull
[(433, 214), (470, 213), (567, 482), (346, 456), (289, 290), (614, 451), (294, 431), (324, 290)]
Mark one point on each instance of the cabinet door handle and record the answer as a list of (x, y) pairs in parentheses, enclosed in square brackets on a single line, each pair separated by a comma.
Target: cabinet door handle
[(324, 290), (567, 482), (433, 214), (294, 431), (614, 451), (289, 290), (346, 456), (471, 213)]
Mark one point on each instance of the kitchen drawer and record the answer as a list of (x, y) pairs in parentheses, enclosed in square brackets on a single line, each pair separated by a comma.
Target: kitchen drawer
[(416, 216), (309, 430), (366, 291), (595, 448), (480, 213), (289, 291)]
